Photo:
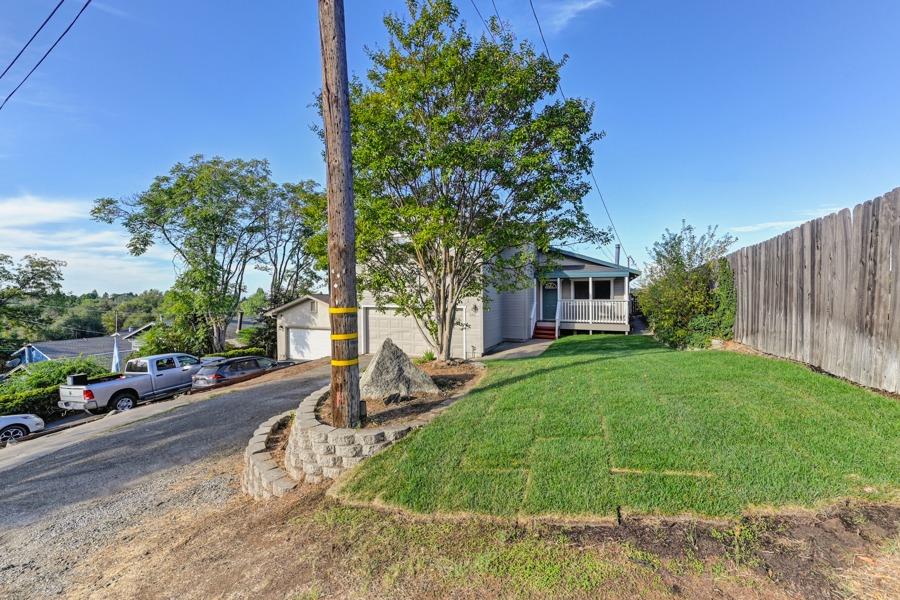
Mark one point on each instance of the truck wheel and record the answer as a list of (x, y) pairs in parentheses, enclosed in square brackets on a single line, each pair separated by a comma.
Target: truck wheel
[(12, 432), (123, 401)]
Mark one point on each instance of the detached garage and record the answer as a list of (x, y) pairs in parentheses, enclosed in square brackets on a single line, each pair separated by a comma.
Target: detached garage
[(304, 330)]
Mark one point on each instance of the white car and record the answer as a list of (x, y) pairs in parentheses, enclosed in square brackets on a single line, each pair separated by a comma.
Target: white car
[(13, 427)]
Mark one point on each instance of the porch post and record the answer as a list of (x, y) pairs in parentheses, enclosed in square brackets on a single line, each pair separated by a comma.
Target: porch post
[(627, 303), (590, 299), (558, 303)]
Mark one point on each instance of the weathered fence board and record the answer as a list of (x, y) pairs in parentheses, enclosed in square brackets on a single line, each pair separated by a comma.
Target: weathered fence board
[(827, 293)]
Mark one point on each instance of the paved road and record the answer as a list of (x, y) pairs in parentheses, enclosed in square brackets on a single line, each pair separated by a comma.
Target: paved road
[(127, 457)]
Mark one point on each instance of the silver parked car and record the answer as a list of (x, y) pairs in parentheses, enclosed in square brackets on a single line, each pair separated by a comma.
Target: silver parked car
[(13, 427)]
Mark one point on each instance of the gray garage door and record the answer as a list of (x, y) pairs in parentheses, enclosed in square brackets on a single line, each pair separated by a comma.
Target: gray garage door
[(402, 330)]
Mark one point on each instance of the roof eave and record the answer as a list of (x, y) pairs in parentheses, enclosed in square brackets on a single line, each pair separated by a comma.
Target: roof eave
[(596, 261)]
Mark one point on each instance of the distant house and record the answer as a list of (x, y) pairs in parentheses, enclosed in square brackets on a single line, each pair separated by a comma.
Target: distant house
[(99, 348), (580, 293)]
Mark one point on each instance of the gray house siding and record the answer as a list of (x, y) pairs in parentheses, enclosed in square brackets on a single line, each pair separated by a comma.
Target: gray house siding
[(517, 314), (492, 318), (308, 314), (375, 326)]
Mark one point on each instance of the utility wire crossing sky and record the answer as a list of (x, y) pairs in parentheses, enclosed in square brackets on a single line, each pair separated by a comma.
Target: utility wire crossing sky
[(752, 116)]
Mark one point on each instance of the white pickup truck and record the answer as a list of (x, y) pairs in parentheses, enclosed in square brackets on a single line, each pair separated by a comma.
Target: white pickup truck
[(147, 378)]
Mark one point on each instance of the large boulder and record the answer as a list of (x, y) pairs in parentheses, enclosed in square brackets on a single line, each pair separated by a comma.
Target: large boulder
[(391, 375)]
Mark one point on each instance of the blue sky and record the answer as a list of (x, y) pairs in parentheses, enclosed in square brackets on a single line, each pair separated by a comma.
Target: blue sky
[(754, 116)]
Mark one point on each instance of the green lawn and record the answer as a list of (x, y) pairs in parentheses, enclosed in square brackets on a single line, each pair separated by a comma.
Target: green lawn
[(600, 422)]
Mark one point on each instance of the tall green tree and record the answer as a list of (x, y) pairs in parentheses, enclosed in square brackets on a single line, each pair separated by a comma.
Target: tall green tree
[(464, 166), (286, 233), (23, 286), (209, 212)]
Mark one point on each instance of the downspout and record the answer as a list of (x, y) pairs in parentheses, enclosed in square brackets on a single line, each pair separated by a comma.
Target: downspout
[(465, 327), (558, 303)]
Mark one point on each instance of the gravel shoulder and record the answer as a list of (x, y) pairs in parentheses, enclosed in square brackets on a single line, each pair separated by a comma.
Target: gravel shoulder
[(41, 558)]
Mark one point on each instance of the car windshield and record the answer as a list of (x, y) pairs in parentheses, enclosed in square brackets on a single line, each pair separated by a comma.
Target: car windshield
[(136, 366), (208, 370)]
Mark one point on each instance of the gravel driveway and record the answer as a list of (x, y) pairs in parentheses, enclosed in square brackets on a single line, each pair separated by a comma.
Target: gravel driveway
[(55, 509)]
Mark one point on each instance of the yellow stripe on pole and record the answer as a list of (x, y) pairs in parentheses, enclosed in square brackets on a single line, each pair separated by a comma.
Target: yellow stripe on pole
[(344, 336), (345, 363), (339, 310)]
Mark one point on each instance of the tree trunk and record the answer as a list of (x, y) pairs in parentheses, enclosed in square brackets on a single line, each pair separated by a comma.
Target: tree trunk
[(448, 322), (217, 335)]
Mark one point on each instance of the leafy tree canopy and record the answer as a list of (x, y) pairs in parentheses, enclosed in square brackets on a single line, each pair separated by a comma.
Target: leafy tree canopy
[(255, 303), (23, 285), (464, 166), (220, 217)]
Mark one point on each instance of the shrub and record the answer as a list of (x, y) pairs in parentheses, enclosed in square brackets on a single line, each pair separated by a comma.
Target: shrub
[(50, 372), (41, 401), (164, 338), (689, 297), (246, 335), (427, 357), (237, 352)]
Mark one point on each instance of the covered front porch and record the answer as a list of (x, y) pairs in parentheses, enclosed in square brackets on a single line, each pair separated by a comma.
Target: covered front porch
[(583, 302)]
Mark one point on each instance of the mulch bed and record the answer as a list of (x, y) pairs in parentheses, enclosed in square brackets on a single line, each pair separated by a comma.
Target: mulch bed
[(452, 378)]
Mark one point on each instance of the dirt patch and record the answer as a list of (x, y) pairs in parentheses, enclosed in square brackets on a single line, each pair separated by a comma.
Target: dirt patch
[(453, 378), (276, 443), (732, 346), (306, 546), (801, 553)]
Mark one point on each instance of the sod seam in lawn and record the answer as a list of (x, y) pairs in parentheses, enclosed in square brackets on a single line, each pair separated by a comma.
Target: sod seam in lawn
[(600, 422)]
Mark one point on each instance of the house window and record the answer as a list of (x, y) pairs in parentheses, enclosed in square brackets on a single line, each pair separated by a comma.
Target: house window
[(313, 306), (580, 290), (603, 289)]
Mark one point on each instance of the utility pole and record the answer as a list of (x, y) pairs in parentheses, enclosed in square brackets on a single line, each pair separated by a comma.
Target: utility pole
[(341, 218)]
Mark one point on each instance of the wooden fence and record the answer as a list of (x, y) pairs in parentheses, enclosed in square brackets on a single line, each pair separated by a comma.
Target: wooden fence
[(828, 293)]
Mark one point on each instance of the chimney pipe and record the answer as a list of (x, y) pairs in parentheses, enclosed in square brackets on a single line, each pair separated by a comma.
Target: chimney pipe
[(618, 251)]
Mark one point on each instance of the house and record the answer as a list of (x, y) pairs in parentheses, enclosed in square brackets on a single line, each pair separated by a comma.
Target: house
[(99, 348), (581, 293)]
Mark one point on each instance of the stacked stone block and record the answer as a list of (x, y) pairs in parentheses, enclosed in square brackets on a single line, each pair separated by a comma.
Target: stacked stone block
[(262, 477), (316, 451)]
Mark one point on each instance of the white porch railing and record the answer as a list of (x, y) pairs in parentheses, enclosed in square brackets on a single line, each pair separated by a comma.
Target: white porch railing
[(594, 311)]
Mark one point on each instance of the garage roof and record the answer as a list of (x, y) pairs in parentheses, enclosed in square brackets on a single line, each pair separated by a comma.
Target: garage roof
[(323, 298)]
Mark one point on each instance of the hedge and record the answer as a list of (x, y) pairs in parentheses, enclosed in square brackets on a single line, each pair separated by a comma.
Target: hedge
[(41, 402), (238, 352)]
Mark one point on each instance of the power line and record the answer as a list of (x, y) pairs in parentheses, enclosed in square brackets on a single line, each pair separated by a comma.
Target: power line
[(75, 329), (49, 50), (546, 47), (591, 171), (496, 12), (491, 33), (31, 39)]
